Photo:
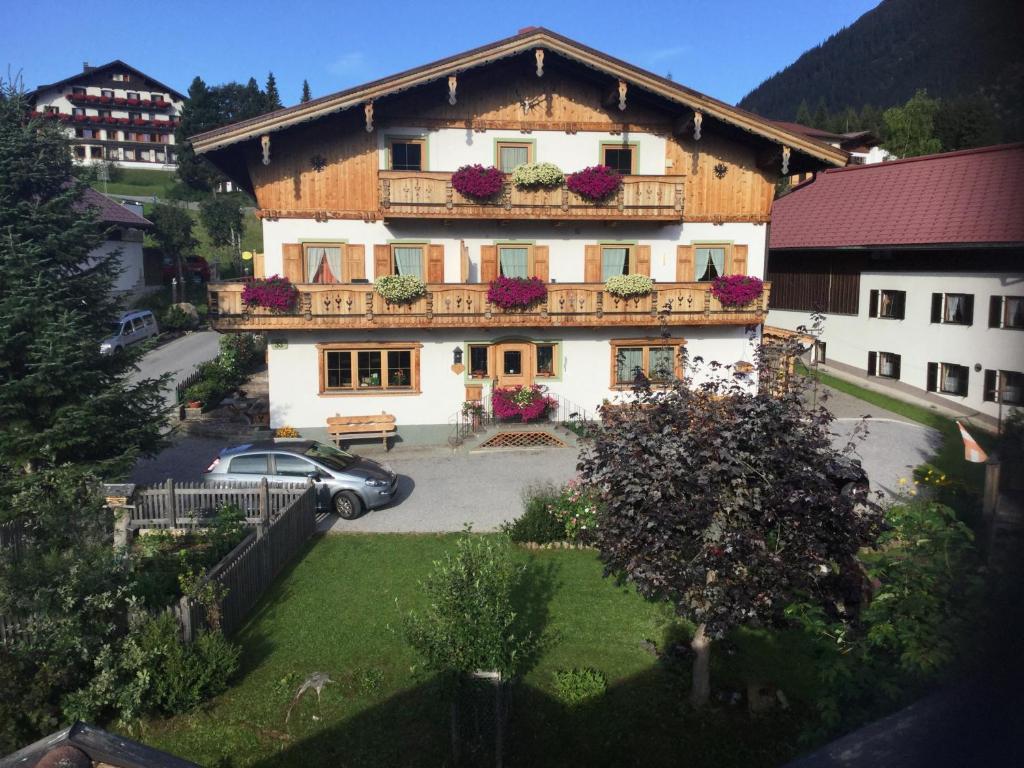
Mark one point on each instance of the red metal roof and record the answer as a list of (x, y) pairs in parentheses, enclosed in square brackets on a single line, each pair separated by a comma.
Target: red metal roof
[(971, 196), (110, 212)]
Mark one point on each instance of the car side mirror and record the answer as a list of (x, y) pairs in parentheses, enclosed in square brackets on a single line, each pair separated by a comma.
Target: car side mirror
[(314, 475)]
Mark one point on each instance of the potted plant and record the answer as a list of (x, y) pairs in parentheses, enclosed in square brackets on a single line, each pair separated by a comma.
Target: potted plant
[(526, 403), (538, 176), (371, 380), (478, 182), (596, 183), (516, 292), (397, 378), (275, 293), (736, 290), (474, 409), (399, 289), (629, 286)]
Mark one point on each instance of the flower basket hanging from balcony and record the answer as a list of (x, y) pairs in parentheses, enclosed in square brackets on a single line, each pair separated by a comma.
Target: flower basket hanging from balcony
[(399, 289), (736, 290), (629, 286), (478, 182), (521, 403), (538, 176), (516, 292), (596, 183), (275, 293)]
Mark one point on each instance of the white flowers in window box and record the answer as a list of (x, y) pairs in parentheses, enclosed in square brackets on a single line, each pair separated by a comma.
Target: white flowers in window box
[(628, 286), (399, 289), (533, 175)]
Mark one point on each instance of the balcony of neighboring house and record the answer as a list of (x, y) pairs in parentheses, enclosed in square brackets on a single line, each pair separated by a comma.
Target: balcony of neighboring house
[(430, 194), (339, 306), (122, 102)]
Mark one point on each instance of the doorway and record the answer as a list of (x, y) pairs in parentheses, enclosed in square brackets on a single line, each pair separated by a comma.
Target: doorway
[(514, 364)]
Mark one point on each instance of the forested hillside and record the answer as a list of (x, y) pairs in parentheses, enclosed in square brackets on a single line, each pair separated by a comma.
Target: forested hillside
[(951, 48)]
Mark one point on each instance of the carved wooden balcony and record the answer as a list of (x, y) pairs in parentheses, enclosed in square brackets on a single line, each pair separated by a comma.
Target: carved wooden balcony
[(465, 305), (415, 195)]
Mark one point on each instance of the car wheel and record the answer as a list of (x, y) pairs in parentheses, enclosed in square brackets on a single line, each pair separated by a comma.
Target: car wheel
[(348, 505)]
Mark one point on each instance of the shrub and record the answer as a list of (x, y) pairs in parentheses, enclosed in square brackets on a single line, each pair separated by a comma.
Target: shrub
[(626, 286), (478, 182), (286, 432), (275, 293), (533, 175), (516, 292), (538, 523), (468, 623), (736, 290), (238, 351), (595, 183), (399, 289), (523, 403), (177, 319), (578, 686)]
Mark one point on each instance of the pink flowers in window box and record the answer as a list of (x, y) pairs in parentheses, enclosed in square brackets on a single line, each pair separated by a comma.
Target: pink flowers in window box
[(516, 292), (275, 293), (736, 290), (595, 183), (522, 403), (478, 182)]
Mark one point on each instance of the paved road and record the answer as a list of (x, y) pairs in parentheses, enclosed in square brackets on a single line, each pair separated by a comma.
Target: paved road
[(178, 357), (890, 450)]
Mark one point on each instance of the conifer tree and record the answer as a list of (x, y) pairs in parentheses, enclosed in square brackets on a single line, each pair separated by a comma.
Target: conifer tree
[(306, 94), (201, 113), (271, 96)]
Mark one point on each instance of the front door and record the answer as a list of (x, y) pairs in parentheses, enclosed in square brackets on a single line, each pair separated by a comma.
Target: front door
[(514, 364)]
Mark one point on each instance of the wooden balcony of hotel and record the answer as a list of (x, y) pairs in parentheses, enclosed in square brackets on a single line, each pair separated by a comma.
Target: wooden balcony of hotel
[(465, 305), (420, 194)]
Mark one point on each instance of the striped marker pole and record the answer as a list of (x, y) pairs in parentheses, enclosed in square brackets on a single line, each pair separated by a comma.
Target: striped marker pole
[(972, 451)]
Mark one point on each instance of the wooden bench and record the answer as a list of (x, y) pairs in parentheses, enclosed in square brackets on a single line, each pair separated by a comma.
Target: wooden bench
[(355, 427)]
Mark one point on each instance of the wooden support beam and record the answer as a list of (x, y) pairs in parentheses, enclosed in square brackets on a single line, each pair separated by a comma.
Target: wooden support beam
[(453, 83), (538, 54), (368, 112), (265, 146)]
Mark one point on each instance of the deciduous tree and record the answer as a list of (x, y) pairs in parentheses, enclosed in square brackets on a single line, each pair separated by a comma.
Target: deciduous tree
[(910, 129)]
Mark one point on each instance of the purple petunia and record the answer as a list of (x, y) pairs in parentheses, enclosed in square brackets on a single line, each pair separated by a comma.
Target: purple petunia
[(275, 293), (516, 292), (523, 403), (736, 290), (594, 183), (478, 182)]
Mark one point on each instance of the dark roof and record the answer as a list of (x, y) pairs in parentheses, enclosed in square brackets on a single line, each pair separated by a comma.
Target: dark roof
[(842, 139), (99, 746), (110, 64), (111, 212), (958, 198)]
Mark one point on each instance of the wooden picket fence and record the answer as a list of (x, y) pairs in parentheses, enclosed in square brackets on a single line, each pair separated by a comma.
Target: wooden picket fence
[(185, 505), (246, 572)]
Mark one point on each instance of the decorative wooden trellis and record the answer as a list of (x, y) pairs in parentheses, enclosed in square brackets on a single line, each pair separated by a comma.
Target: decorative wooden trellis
[(523, 440)]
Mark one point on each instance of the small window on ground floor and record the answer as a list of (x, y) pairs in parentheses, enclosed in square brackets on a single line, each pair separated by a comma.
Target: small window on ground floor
[(479, 361), (657, 360), (545, 354), (884, 364), (1005, 387), (948, 378), (369, 367)]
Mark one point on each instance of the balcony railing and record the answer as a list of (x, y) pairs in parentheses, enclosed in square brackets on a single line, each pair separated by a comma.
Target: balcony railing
[(413, 194), (463, 305)]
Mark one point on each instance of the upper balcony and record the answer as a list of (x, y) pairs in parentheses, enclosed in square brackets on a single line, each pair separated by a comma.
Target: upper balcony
[(428, 194), (465, 305)]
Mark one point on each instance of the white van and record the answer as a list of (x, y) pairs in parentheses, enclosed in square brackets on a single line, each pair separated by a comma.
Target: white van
[(131, 328)]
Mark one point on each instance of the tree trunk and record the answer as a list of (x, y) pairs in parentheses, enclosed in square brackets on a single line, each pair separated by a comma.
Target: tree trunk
[(701, 686)]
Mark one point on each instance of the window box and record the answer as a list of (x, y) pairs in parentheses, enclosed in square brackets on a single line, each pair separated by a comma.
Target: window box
[(1006, 312), (948, 378), (891, 305), (953, 308), (369, 368)]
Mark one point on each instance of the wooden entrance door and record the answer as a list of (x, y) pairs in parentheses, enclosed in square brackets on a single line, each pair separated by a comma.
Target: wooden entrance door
[(513, 362)]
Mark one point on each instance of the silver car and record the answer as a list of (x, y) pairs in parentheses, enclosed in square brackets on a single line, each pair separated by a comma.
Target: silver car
[(132, 327), (347, 484)]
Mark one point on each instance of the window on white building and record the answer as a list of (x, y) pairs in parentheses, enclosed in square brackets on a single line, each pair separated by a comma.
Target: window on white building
[(953, 308), (1005, 387), (888, 304), (1006, 312), (884, 364), (948, 378)]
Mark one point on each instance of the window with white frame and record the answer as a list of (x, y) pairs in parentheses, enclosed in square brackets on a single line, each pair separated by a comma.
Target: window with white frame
[(1005, 387), (1006, 312), (948, 378), (884, 364), (953, 308), (887, 304)]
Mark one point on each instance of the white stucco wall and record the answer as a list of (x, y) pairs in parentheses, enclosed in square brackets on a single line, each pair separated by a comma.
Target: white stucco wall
[(132, 277), (585, 369), (916, 339)]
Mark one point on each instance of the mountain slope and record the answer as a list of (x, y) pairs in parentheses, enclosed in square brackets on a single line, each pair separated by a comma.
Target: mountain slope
[(949, 47)]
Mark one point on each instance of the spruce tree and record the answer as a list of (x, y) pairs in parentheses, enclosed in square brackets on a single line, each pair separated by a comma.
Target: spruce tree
[(200, 113), (306, 94), (803, 113), (60, 401), (271, 96)]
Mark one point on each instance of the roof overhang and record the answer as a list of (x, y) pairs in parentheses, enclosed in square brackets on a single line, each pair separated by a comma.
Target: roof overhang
[(226, 136)]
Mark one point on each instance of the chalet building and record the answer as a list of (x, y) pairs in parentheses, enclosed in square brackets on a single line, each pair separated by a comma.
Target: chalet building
[(918, 265), (114, 113), (864, 147), (357, 185)]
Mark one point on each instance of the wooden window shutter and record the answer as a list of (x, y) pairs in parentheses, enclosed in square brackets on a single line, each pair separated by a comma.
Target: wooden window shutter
[(899, 311), (969, 309), (259, 266), (873, 304), (933, 376), (872, 363), (684, 264), (643, 260), (435, 263), (592, 264), (355, 263), (381, 260), (463, 262), (897, 361), (292, 262), (936, 309), (488, 263), (991, 384), (995, 312), (540, 262), (739, 260)]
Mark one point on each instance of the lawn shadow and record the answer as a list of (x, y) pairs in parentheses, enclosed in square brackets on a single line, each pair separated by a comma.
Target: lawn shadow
[(532, 600)]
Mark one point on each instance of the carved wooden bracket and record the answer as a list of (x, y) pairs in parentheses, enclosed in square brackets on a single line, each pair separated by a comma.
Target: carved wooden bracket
[(622, 95), (538, 54), (453, 83), (785, 161), (368, 111), (698, 119), (265, 145)]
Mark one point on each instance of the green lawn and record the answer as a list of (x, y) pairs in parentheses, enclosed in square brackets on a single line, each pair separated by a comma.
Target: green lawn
[(140, 181), (339, 611)]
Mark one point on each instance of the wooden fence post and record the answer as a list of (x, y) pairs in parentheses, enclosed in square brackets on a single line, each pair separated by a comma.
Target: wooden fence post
[(264, 524), (990, 500), (172, 503), (184, 612)]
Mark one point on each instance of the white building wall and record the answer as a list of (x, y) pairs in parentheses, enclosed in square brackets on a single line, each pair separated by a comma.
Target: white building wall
[(132, 277), (916, 339)]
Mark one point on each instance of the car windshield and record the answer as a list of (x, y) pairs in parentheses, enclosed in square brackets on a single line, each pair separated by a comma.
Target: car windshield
[(114, 328), (331, 456)]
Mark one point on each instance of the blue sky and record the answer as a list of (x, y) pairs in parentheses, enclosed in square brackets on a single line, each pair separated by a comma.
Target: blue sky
[(721, 48)]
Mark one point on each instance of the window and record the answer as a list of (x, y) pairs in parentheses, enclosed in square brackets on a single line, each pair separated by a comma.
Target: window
[(107, 94), (129, 154), (96, 153), (156, 96), (656, 359), (254, 464), (545, 359), (512, 362), (1004, 387), (479, 361), (887, 304), (948, 378), (80, 152), (78, 91), (292, 466), (710, 261), (408, 259), (132, 95), (118, 77), (512, 154), (369, 367), (514, 260), (1006, 312), (51, 110), (407, 154), (621, 157), (134, 115), (104, 113), (953, 308), (884, 364), (78, 110), (615, 260), (323, 262)]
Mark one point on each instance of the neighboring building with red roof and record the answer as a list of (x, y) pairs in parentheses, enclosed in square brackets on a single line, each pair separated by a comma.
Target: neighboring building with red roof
[(864, 146), (126, 234), (918, 265)]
